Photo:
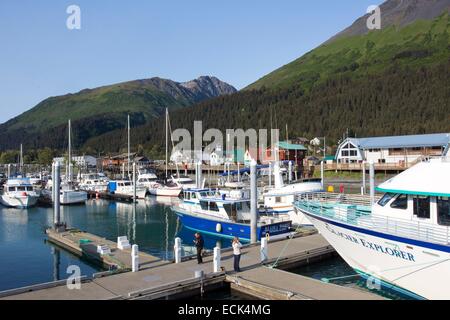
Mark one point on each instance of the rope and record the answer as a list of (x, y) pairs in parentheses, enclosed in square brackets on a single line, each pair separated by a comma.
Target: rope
[(274, 265)]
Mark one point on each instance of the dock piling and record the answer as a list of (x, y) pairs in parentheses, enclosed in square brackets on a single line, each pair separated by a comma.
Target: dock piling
[(177, 250), (216, 259), (264, 250), (322, 164), (363, 188), (372, 182), (135, 258), (56, 200), (290, 172), (253, 202), (134, 182)]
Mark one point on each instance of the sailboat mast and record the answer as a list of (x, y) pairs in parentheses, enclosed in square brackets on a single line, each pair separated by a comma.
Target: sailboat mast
[(69, 158), (21, 158), (167, 140), (129, 142)]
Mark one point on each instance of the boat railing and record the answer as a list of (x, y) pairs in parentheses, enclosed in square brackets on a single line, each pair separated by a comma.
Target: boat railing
[(354, 199), (360, 215)]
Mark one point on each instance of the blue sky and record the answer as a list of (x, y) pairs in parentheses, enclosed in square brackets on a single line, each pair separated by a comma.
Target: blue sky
[(236, 41)]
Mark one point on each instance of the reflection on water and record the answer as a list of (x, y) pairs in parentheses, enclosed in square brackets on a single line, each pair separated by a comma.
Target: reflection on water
[(28, 259)]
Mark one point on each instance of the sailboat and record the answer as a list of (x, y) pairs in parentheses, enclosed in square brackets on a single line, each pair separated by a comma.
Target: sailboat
[(169, 189), (69, 194), (125, 186)]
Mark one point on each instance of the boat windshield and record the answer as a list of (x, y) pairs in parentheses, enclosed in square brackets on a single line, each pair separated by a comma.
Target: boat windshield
[(386, 198)]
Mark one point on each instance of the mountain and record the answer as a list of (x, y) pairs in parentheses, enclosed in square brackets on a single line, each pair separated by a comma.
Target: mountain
[(414, 33), (99, 110), (391, 81), (398, 13)]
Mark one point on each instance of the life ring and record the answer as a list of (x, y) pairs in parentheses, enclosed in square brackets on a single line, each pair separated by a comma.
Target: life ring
[(218, 227)]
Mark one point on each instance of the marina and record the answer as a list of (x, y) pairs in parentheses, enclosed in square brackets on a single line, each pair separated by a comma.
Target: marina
[(192, 154)]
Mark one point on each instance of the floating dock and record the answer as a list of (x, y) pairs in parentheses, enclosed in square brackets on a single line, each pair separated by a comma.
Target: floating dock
[(159, 279), (85, 244)]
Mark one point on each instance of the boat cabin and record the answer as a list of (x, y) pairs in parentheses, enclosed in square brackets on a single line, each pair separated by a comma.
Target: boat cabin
[(419, 194)]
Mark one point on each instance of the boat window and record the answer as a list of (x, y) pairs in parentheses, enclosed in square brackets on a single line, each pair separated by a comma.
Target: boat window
[(278, 199), (401, 202), (21, 189), (443, 207), (30, 188), (422, 207), (204, 205), (213, 206), (188, 196), (193, 195), (385, 199), (12, 189), (231, 210)]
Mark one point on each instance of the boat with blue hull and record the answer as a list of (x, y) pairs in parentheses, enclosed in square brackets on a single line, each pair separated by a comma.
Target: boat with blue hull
[(220, 214)]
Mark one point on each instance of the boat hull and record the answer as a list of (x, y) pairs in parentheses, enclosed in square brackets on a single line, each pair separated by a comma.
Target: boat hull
[(73, 197), (414, 268), (225, 229), (165, 192), (16, 201)]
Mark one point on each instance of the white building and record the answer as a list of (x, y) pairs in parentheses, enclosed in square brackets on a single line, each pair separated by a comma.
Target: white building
[(393, 149), (80, 161)]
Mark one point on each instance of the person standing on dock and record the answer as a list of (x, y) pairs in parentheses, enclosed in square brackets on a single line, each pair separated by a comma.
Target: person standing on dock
[(199, 244), (237, 253)]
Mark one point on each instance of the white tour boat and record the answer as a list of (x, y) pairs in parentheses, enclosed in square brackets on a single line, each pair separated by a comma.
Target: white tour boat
[(402, 240), (19, 193)]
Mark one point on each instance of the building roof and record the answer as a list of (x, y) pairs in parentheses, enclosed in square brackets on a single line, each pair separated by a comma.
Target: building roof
[(290, 146), (411, 141)]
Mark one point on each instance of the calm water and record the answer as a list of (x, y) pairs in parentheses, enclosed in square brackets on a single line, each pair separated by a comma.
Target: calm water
[(337, 271), (27, 258)]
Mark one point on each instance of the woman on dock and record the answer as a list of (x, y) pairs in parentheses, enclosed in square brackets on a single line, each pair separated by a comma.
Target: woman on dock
[(237, 253)]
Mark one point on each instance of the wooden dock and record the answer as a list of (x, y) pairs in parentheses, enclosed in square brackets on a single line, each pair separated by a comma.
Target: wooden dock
[(166, 280), (85, 244)]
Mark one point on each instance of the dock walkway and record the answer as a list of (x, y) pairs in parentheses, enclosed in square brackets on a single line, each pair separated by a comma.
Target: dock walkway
[(161, 280)]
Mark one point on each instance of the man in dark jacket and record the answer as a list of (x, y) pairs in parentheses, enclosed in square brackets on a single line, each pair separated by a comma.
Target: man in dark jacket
[(199, 243)]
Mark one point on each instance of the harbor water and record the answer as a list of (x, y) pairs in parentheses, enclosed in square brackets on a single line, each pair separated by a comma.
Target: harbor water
[(27, 258)]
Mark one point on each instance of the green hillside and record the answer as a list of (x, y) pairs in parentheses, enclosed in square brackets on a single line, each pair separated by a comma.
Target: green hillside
[(422, 43), (131, 97)]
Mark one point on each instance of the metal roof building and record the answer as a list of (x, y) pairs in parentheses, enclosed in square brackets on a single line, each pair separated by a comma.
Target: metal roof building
[(393, 149)]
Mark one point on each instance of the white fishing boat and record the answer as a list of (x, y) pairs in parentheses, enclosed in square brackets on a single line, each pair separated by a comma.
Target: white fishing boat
[(401, 241), (147, 179), (183, 181), (94, 182), (279, 199), (168, 190), (19, 193), (126, 187)]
